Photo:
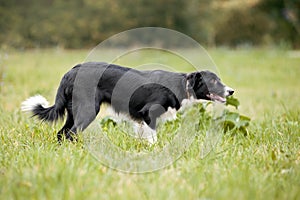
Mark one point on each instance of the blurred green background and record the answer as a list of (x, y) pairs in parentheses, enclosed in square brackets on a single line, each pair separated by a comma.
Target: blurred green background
[(85, 23)]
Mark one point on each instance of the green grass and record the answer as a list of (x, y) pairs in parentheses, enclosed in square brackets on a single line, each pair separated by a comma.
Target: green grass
[(265, 164)]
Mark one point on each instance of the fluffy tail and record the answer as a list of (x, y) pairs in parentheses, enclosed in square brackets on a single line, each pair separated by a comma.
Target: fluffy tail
[(38, 105)]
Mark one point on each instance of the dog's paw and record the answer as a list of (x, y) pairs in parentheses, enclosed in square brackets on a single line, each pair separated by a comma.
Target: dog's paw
[(144, 132)]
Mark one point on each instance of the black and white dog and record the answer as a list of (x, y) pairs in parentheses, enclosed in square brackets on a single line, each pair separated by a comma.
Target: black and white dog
[(143, 95)]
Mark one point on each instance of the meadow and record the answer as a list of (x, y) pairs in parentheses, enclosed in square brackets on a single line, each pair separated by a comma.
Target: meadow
[(263, 164)]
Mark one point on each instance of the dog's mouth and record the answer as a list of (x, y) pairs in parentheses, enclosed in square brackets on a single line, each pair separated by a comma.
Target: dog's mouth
[(215, 97)]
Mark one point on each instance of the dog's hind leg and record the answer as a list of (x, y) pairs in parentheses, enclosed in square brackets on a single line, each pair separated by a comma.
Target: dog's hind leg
[(68, 125), (80, 123), (84, 116)]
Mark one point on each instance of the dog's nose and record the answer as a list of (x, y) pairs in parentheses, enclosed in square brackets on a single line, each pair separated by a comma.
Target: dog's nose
[(229, 91)]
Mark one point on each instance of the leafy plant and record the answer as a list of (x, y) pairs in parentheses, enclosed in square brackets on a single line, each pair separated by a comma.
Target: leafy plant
[(228, 120), (233, 120)]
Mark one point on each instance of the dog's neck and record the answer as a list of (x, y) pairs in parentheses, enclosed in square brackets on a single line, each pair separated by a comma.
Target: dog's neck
[(188, 90)]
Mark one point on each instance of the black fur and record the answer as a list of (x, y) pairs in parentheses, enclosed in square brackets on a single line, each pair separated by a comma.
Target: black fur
[(144, 95), (48, 114)]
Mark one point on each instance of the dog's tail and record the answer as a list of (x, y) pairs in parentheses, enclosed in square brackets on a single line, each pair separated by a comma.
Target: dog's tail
[(38, 105)]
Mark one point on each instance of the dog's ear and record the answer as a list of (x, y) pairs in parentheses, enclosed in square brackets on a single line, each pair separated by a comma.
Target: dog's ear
[(193, 78)]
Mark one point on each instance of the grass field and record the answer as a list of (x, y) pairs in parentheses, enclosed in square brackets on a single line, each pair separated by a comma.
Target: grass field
[(265, 164)]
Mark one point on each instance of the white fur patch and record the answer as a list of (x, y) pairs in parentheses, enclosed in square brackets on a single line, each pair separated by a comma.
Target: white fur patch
[(30, 103), (170, 115), (117, 117), (186, 103), (226, 92), (143, 131)]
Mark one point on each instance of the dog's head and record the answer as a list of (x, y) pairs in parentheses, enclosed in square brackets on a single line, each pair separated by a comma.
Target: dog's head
[(207, 85)]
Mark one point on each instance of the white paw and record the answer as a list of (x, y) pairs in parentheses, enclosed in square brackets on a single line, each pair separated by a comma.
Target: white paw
[(143, 131)]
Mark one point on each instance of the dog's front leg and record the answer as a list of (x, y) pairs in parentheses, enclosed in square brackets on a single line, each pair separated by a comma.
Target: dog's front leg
[(150, 113), (146, 133)]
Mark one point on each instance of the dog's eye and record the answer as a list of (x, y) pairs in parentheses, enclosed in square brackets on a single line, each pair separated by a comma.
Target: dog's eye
[(214, 81)]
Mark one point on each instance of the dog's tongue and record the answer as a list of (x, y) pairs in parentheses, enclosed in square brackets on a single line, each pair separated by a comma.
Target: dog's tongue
[(217, 98)]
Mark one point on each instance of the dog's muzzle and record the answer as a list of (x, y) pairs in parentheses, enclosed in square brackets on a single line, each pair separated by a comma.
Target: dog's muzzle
[(228, 91)]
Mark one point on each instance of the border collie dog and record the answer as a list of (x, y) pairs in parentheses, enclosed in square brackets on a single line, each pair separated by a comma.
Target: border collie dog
[(143, 95)]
